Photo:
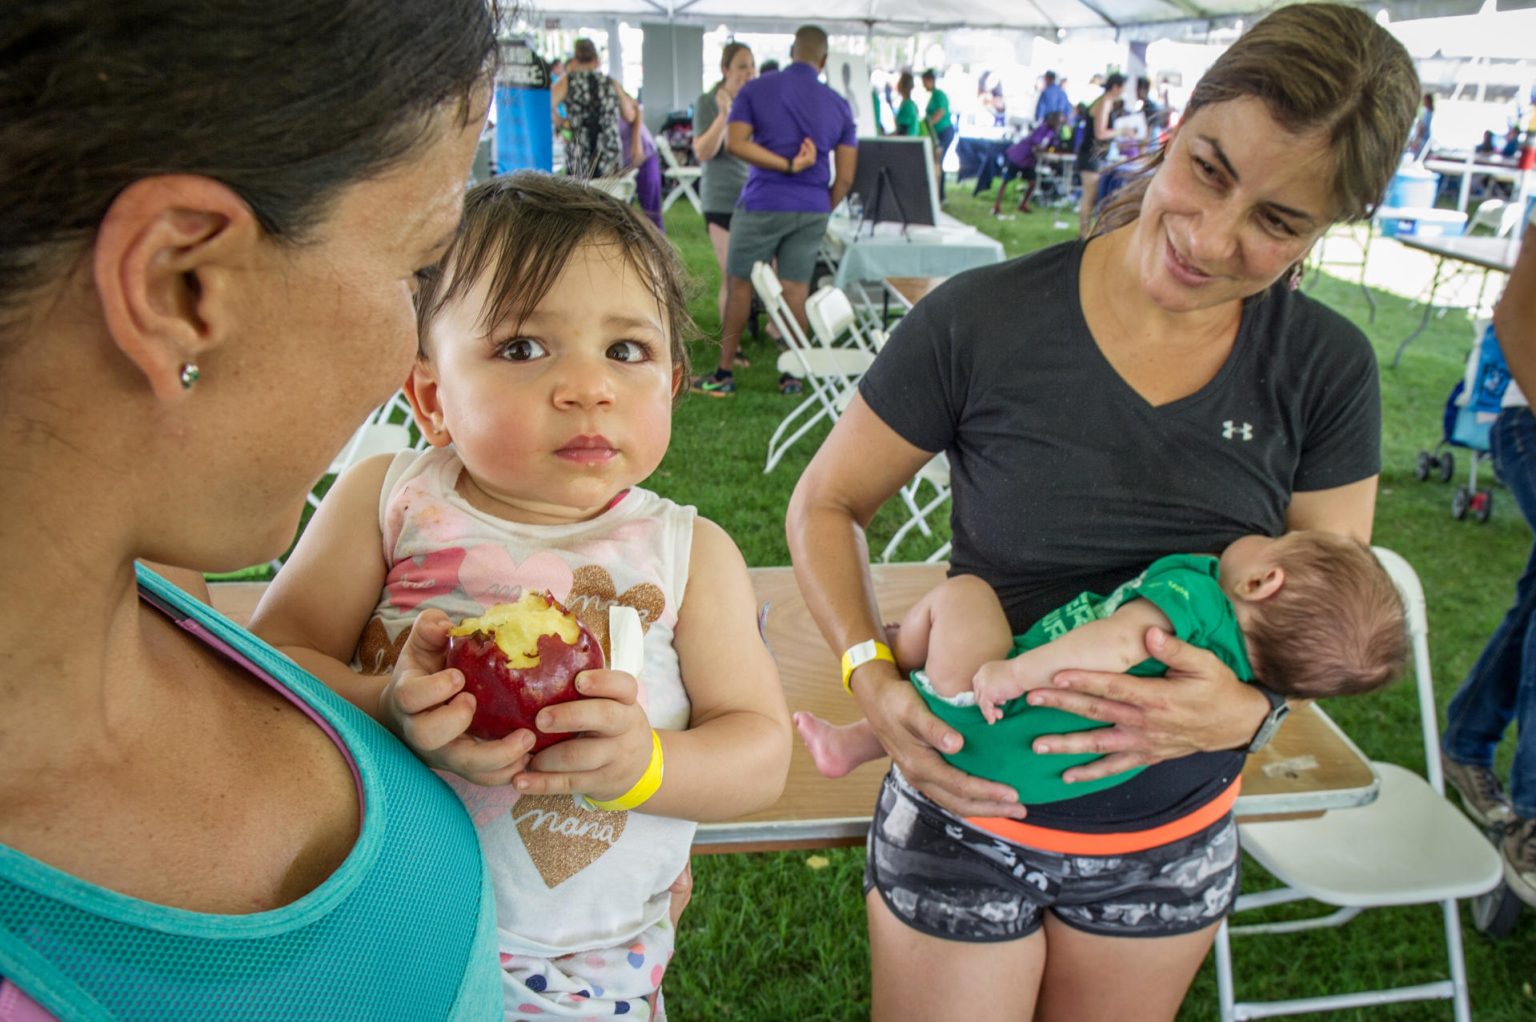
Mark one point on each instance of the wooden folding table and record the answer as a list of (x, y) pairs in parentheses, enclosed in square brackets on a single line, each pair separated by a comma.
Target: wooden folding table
[(1310, 767)]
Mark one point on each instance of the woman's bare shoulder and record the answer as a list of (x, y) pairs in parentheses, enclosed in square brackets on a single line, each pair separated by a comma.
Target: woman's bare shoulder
[(217, 795)]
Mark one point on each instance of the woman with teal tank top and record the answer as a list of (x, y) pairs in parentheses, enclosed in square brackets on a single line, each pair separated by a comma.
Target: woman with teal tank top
[(193, 319)]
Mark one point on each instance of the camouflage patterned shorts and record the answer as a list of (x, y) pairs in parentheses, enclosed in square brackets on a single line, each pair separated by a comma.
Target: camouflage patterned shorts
[(948, 879)]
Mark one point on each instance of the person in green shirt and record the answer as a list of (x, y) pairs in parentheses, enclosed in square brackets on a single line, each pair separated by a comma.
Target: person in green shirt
[(907, 117), (940, 124), (1312, 613)]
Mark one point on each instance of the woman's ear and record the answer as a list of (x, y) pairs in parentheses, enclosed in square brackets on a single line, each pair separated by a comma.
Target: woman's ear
[(165, 263), (421, 391)]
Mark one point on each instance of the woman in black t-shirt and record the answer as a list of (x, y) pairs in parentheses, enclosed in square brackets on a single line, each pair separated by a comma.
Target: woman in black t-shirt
[(1097, 400)]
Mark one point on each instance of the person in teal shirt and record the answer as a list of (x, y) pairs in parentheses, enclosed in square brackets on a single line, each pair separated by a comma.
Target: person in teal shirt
[(1249, 606), (191, 826), (907, 117), (940, 124)]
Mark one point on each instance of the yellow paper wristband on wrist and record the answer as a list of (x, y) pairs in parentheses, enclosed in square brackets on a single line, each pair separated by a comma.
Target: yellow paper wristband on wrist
[(648, 784), (859, 654)]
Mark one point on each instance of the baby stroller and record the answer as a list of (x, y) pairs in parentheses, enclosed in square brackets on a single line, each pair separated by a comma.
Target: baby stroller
[(1469, 413), (677, 130)]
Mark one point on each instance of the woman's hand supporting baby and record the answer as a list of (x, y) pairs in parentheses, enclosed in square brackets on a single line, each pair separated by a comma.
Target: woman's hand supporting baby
[(913, 736), (1199, 706)]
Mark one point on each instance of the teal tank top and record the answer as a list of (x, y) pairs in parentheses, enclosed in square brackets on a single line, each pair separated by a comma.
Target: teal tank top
[(404, 929)]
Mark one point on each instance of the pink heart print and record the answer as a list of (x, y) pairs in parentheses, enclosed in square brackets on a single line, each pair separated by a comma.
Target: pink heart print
[(484, 804), (490, 575), (415, 580)]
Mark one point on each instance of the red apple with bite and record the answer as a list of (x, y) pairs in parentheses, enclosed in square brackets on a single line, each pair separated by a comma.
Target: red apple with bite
[(518, 658)]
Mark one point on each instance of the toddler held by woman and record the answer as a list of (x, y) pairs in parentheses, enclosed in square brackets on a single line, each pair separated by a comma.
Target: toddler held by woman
[(551, 350)]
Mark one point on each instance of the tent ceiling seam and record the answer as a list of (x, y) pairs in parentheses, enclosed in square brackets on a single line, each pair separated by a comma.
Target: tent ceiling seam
[(1099, 14), (1190, 10), (1048, 22)]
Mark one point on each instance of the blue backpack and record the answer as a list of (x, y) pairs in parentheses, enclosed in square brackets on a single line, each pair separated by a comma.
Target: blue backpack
[(1490, 375)]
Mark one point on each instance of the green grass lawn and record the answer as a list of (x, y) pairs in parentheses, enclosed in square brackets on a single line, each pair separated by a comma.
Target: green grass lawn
[(781, 936)]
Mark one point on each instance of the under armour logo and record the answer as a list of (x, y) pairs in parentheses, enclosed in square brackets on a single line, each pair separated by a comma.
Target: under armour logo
[(1230, 429)]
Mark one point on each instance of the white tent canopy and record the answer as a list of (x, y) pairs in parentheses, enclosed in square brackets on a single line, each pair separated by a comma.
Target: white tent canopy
[(1145, 19)]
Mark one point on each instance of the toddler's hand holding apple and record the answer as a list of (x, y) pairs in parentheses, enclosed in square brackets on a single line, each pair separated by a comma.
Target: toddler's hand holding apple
[(427, 707), (518, 658), (612, 751)]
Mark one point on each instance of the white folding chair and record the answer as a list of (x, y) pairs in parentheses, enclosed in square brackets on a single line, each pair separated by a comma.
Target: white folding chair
[(620, 186), (684, 179), (936, 474), (1410, 846), (1495, 217), (829, 374), (388, 429), (835, 324)]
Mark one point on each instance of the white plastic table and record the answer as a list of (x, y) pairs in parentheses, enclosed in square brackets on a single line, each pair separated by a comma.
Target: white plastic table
[(1488, 253)]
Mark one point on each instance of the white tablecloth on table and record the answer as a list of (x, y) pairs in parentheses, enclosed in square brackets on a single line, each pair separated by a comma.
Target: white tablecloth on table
[(940, 251)]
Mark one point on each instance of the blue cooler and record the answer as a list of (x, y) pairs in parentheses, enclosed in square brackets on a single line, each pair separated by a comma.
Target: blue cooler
[(1421, 221), (1412, 186)]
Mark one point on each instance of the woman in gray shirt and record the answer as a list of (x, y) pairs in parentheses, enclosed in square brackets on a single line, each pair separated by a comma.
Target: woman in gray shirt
[(724, 174)]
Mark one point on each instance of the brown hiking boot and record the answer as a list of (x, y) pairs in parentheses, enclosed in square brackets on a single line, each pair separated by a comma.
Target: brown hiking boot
[(1482, 797), (1518, 849)]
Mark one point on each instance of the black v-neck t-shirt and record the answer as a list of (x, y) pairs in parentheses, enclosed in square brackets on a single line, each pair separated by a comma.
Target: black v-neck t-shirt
[(1065, 479)]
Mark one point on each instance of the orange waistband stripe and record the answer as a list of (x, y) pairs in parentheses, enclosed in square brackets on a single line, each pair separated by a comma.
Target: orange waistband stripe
[(1069, 842)]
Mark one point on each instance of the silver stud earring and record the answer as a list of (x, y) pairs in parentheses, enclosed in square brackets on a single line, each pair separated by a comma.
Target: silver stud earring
[(189, 375)]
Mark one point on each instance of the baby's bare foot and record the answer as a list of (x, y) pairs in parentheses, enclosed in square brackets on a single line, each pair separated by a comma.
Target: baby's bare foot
[(837, 749)]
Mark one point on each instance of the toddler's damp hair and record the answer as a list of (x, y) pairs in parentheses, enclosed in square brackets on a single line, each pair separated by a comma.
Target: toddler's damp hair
[(522, 228), (1336, 627)]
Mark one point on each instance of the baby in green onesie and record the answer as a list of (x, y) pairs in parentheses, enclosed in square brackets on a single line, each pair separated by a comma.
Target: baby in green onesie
[(1309, 614)]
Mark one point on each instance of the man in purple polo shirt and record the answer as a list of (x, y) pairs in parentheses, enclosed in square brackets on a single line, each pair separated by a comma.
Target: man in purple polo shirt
[(800, 140)]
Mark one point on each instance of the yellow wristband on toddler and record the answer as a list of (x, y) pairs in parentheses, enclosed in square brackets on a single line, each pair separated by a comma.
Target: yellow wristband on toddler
[(644, 788), (858, 655)]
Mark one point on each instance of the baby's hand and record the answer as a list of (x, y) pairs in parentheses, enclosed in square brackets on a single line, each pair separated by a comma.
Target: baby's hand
[(613, 750), (995, 683), (427, 707)]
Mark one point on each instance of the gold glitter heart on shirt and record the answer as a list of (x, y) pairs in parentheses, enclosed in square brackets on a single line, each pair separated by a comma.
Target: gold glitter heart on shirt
[(375, 653), (593, 592), (563, 836)]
